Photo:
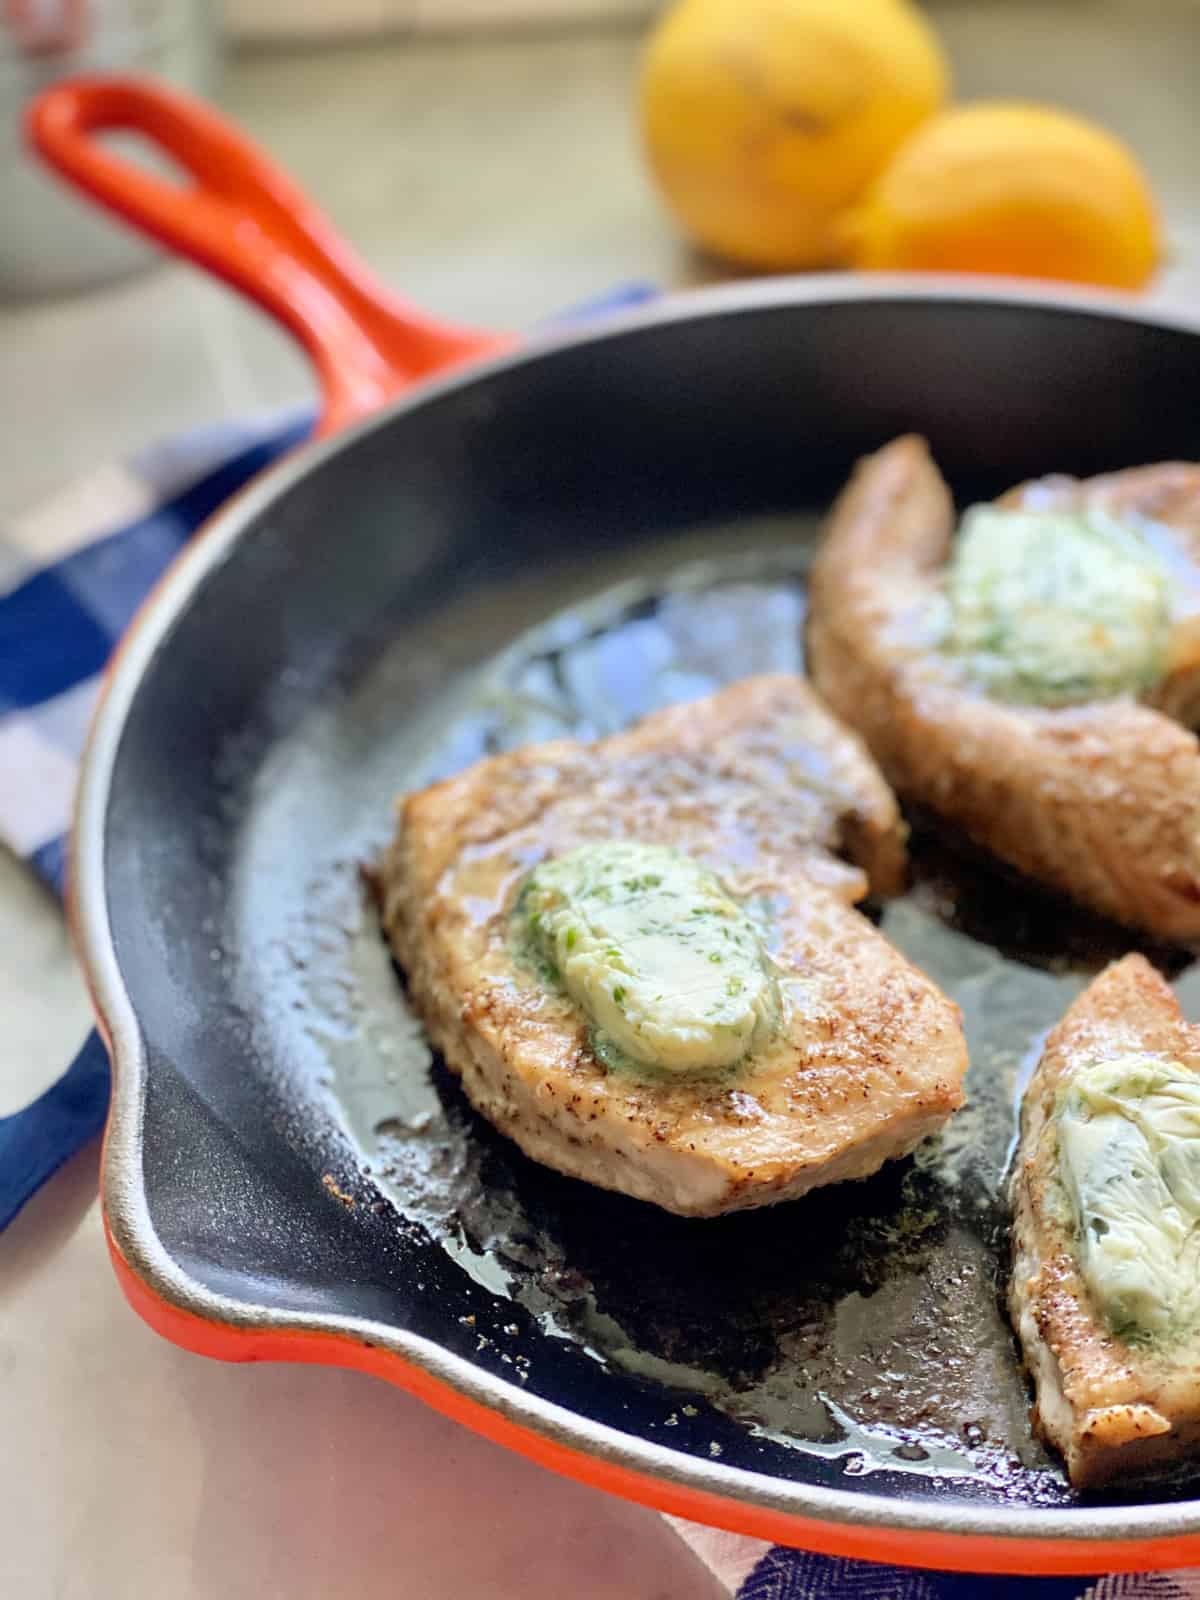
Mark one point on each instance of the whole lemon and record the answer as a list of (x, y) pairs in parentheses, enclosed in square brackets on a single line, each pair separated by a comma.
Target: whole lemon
[(1003, 186), (763, 119)]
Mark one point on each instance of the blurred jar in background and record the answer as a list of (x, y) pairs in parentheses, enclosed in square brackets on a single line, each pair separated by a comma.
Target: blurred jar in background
[(51, 242)]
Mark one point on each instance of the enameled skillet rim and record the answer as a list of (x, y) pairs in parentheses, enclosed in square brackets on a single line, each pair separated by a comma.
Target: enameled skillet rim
[(1078, 1539)]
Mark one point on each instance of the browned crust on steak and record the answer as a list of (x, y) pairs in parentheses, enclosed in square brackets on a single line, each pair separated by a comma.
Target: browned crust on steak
[(1100, 801), (762, 784), (1110, 1408)]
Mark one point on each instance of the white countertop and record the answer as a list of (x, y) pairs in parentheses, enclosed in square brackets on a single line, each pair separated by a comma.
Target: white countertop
[(492, 181)]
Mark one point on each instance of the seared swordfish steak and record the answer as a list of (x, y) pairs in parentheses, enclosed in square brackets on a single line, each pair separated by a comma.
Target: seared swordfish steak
[(1105, 1288), (1028, 677), (641, 955)]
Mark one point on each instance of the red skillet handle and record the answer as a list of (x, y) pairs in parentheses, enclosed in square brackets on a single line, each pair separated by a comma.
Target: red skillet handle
[(245, 220)]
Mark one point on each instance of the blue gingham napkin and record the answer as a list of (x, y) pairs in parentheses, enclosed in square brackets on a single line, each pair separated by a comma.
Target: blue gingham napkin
[(72, 573)]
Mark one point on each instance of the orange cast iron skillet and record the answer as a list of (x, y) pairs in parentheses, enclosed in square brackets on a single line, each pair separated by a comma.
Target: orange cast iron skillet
[(427, 490)]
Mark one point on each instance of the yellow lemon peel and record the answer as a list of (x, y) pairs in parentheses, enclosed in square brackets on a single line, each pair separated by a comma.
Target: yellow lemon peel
[(763, 120)]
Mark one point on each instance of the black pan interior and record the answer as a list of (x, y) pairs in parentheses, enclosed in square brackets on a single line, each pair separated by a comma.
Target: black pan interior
[(298, 1151)]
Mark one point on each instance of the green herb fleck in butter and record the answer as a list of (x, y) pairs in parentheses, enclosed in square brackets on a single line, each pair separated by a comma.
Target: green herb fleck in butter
[(670, 970), (1055, 608), (1129, 1157)]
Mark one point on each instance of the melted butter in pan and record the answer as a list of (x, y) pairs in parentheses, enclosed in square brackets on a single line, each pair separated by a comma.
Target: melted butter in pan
[(862, 1323)]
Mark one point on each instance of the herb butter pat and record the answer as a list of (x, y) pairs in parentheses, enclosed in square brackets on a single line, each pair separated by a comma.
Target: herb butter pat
[(1055, 608), (668, 968), (1129, 1158)]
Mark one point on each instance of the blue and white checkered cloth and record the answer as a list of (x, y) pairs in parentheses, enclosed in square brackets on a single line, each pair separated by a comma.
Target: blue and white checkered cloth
[(72, 573)]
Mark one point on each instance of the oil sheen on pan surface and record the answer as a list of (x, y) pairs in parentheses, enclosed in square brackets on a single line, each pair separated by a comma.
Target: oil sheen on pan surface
[(855, 1335)]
